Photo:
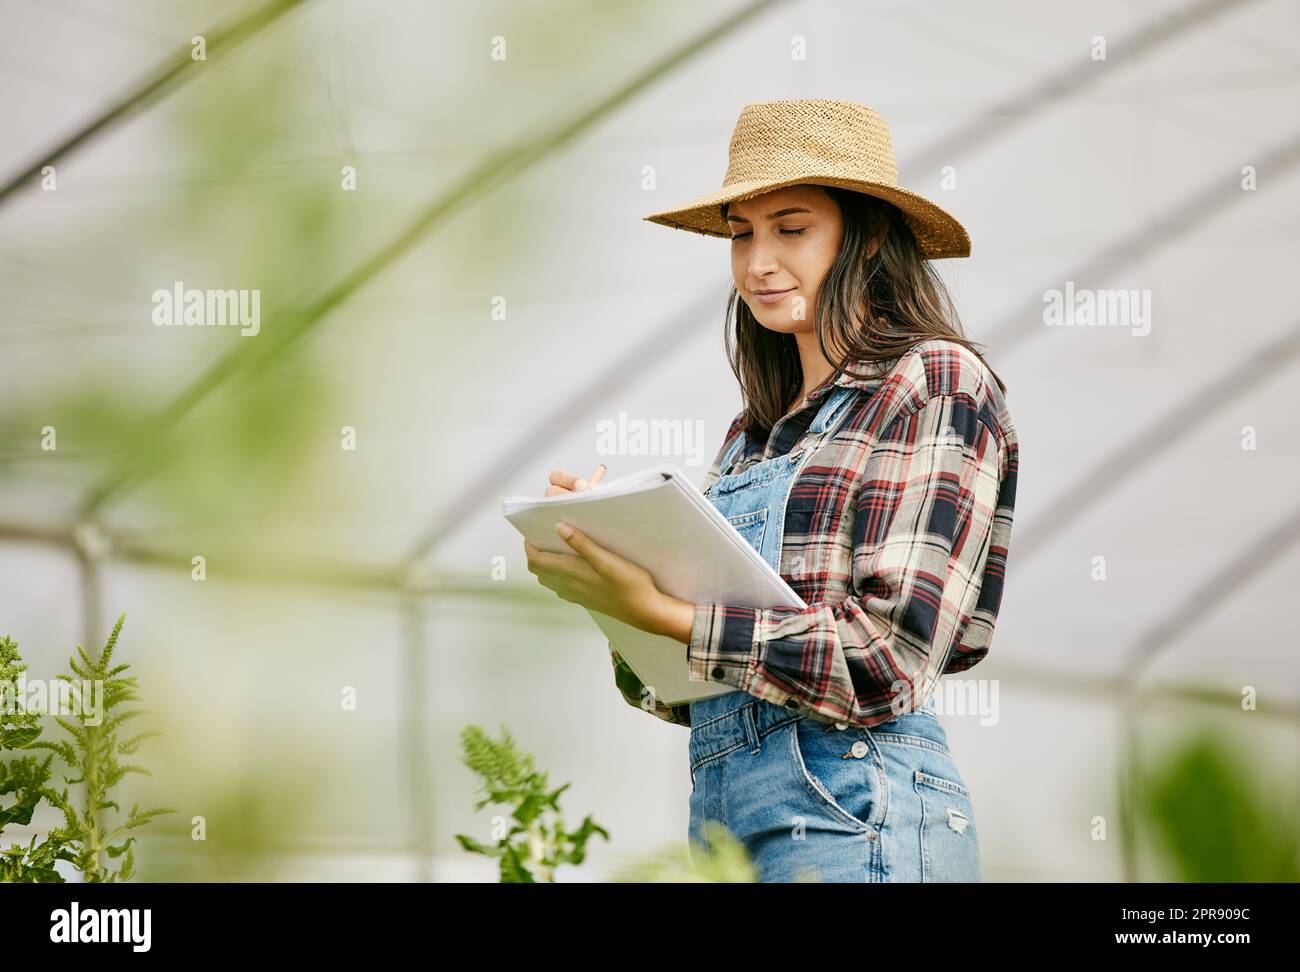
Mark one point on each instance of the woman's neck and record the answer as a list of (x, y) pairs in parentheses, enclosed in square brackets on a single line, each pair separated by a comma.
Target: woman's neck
[(816, 369)]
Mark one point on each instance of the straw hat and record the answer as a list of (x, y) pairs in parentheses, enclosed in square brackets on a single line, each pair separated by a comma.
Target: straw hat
[(824, 142)]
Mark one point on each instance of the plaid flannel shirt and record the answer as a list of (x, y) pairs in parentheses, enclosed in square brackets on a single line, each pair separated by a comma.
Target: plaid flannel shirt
[(896, 535)]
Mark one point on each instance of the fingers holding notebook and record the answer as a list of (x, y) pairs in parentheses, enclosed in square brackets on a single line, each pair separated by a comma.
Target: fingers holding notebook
[(566, 482)]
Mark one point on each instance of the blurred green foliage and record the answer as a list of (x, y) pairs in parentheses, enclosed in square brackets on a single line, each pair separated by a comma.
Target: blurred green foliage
[(1212, 813), (247, 441), (242, 826), (725, 862)]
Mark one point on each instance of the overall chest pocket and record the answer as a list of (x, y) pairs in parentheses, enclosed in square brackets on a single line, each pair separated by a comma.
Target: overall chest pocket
[(751, 526)]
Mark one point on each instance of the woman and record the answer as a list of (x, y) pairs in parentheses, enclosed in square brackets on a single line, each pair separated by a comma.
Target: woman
[(873, 466)]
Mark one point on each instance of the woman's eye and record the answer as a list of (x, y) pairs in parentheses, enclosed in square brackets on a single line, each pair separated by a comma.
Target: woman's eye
[(784, 232)]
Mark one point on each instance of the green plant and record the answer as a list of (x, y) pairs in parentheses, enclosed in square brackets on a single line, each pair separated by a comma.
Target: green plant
[(726, 861), (26, 780), (1210, 819), (537, 843), (93, 752)]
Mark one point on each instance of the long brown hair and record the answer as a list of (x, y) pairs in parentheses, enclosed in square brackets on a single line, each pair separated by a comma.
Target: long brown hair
[(874, 308)]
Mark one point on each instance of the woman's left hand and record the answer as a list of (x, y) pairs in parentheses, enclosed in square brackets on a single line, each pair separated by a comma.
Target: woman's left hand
[(597, 578)]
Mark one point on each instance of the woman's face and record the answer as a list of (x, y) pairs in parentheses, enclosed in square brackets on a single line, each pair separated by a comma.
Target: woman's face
[(784, 241)]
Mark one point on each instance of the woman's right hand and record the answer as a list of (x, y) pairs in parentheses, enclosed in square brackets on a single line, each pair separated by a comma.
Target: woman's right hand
[(566, 482)]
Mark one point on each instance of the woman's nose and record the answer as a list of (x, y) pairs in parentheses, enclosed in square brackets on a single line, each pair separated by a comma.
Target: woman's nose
[(762, 258)]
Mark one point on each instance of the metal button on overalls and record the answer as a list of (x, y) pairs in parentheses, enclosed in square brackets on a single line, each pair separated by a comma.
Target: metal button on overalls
[(859, 749)]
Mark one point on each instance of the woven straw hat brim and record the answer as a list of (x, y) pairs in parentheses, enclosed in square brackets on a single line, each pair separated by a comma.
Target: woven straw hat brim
[(937, 232)]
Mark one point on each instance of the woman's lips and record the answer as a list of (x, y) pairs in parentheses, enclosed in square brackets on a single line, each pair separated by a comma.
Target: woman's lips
[(774, 298)]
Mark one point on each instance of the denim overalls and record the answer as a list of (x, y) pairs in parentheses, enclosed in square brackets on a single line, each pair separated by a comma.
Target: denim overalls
[(808, 798)]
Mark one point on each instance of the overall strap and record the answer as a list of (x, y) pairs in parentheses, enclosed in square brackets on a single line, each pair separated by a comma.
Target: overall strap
[(832, 409), (731, 453)]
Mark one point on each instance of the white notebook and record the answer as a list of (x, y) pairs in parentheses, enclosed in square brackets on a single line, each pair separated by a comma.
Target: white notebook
[(660, 520)]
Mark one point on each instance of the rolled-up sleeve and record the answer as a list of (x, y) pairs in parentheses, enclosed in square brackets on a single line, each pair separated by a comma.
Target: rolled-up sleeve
[(923, 518), (636, 694)]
